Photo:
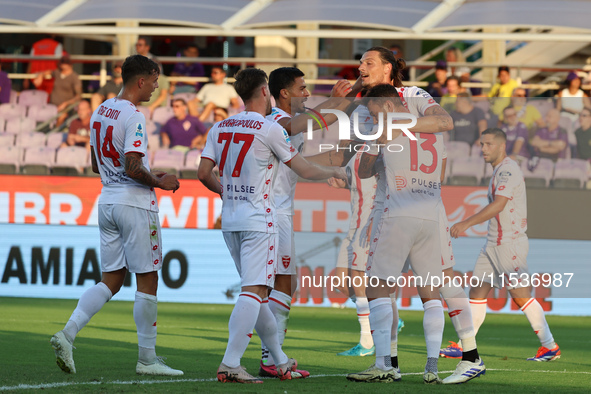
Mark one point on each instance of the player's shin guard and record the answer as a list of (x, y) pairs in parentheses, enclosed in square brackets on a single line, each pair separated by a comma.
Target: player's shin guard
[(433, 322), (362, 306), (242, 321), (460, 314), (280, 305), (266, 327), (145, 313), (535, 314), (380, 318), (91, 301)]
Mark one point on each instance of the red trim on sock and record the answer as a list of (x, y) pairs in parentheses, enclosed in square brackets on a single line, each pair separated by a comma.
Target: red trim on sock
[(527, 304), (251, 296), (280, 303), (363, 314)]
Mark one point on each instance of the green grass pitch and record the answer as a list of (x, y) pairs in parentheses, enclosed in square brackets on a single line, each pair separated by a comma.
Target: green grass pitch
[(193, 338)]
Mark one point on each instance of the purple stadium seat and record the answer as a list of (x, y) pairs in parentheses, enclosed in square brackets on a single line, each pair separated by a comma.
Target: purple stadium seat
[(2, 124), (9, 159), (467, 171), (38, 160), (54, 140), (10, 111), (153, 142), (162, 114), (13, 97), (70, 160), (6, 139), (571, 173), (30, 139), (144, 110), (476, 151), (152, 127), (457, 149), (20, 125), (192, 160), (168, 160), (540, 176), (42, 113), (32, 97)]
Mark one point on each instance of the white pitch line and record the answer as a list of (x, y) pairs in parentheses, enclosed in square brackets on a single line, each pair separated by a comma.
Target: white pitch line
[(130, 382)]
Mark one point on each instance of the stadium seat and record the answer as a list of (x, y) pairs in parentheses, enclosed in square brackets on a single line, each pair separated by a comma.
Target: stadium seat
[(6, 139), (42, 113), (38, 160), (144, 110), (30, 139), (476, 151), (13, 97), (168, 160), (152, 127), (483, 104), (543, 105), (189, 168), (457, 149), (20, 125), (70, 160), (571, 173), (10, 111), (467, 171), (540, 176), (9, 159), (55, 140), (2, 125), (32, 97), (162, 114), (153, 142)]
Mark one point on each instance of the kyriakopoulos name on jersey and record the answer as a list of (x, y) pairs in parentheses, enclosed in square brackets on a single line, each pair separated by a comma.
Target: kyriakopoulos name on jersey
[(109, 112), (246, 123), (361, 147), (240, 188)]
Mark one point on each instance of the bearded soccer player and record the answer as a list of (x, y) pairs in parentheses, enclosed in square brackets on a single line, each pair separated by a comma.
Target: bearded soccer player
[(503, 259), (128, 217), (247, 149)]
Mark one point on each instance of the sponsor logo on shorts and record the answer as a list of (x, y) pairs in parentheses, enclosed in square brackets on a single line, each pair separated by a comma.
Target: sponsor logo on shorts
[(286, 260)]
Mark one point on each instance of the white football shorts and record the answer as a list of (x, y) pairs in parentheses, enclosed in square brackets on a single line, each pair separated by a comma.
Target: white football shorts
[(286, 246), (354, 250), (130, 238), (255, 256), (508, 260)]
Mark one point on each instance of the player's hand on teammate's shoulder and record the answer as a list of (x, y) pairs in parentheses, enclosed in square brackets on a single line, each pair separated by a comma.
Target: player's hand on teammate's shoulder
[(168, 182), (341, 88)]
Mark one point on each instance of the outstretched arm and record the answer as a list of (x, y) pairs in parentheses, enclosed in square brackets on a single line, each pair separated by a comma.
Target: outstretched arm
[(336, 157), (312, 171), (489, 212)]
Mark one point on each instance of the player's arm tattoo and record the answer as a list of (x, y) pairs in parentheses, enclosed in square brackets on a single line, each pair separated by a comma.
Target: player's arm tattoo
[(367, 166), (443, 119), (135, 169)]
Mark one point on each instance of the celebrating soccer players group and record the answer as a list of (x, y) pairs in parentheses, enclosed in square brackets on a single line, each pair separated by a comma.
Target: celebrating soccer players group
[(398, 219)]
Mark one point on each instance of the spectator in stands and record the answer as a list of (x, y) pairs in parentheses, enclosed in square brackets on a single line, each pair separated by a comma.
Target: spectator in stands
[(469, 121), (47, 46), (399, 54), (454, 55), (183, 131), (219, 114), (159, 97), (551, 141), (217, 94), (110, 89), (79, 131), (453, 86), (67, 87), (5, 86), (583, 134), (437, 88), (517, 143), (142, 47), (501, 90), (187, 69), (527, 114), (572, 99)]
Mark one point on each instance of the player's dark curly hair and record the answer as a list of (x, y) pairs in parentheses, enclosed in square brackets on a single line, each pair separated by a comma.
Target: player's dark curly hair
[(138, 66), (247, 81), (283, 78), (398, 65)]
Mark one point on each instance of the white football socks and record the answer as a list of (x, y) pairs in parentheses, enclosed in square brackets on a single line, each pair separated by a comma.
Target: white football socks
[(365, 338), (394, 335), (535, 314), (266, 327), (145, 313), (280, 305), (380, 318), (478, 309), (433, 322), (91, 301), (460, 313), (242, 321)]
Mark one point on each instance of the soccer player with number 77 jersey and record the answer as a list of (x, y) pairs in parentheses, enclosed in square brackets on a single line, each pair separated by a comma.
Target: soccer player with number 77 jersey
[(247, 149)]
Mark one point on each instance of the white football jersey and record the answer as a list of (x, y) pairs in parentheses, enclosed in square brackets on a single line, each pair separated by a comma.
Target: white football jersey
[(511, 223), (363, 193), (413, 176), (247, 148), (286, 181), (117, 128), (417, 101)]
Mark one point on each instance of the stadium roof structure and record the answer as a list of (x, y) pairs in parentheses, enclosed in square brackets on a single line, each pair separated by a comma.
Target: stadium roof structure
[(524, 20)]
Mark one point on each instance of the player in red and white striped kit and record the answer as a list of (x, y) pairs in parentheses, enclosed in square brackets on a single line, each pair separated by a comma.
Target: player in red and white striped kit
[(247, 149), (503, 259)]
